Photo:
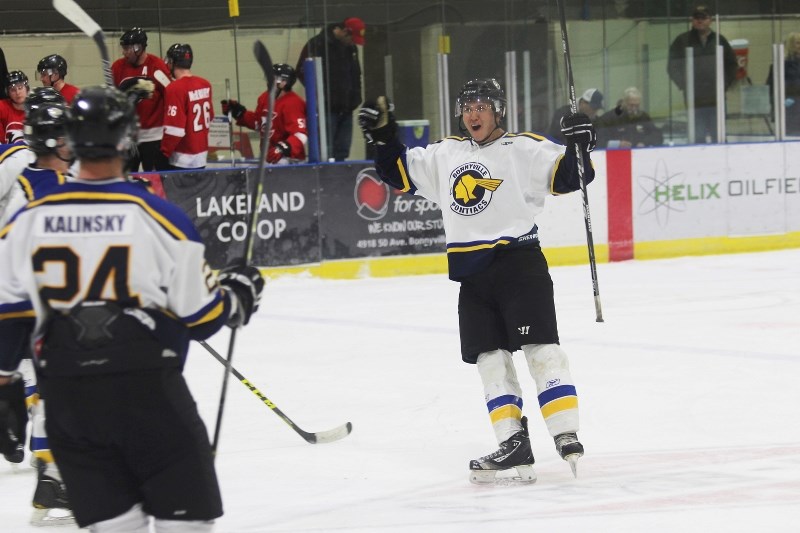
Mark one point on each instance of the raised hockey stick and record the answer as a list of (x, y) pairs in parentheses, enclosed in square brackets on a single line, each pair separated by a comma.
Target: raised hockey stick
[(3, 74), (265, 61), (587, 218), (316, 437), (75, 14)]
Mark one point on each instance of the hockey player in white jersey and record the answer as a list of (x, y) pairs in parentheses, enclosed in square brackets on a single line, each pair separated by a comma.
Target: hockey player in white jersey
[(491, 184), (109, 284)]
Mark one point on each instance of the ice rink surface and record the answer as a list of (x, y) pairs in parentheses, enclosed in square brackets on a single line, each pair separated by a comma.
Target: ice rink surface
[(689, 396)]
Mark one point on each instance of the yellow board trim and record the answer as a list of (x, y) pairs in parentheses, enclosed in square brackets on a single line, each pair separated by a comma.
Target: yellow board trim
[(561, 404)]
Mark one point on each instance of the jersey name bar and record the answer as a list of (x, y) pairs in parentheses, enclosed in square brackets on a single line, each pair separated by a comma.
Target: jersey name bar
[(83, 224), (199, 94)]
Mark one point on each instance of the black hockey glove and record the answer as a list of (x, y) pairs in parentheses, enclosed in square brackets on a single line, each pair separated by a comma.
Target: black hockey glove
[(246, 283), (278, 152), (578, 129), (377, 121), (234, 108), (137, 88)]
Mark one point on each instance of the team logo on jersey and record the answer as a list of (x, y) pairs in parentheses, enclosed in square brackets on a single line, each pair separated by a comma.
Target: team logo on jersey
[(471, 188), (371, 195)]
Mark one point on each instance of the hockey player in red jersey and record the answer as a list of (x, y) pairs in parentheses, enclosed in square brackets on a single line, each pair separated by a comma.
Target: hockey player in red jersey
[(491, 184), (52, 71), (189, 110), (107, 284), (289, 136), (135, 65), (12, 111)]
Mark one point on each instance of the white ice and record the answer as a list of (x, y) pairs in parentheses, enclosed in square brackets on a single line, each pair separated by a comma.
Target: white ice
[(689, 396)]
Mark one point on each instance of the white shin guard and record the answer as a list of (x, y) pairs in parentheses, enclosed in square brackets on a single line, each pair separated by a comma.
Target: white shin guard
[(502, 392), (135, 520), (558, 400)]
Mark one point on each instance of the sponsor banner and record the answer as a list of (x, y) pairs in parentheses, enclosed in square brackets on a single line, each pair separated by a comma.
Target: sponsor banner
[(287, 230), (361, 216), (715, 191)]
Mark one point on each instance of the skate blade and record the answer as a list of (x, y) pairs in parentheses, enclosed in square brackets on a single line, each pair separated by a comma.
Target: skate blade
[(572, 459), (525, 476), (52, 517)]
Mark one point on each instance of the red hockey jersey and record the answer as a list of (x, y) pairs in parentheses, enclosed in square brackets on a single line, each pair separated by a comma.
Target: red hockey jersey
[(188, 113), (11, 120), (288, 122), (69, 92), (150, 110)]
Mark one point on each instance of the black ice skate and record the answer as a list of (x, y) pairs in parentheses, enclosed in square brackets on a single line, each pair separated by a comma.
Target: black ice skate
[(513, 453), (51, 506), (570, 449)]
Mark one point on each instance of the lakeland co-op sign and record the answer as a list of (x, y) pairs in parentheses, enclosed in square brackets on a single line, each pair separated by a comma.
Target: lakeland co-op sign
[(234, 209)]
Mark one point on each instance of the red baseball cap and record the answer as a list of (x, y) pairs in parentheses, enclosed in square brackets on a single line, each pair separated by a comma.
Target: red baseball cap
[(356, 27)]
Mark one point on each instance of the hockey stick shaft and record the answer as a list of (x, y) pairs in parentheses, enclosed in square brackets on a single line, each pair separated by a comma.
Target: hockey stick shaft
[(587, 217), (75, 14), (313, 438), (264, 60)]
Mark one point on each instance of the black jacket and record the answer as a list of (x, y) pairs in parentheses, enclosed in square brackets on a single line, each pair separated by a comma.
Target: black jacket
[(617, 125), (340, 67), (705, 92)]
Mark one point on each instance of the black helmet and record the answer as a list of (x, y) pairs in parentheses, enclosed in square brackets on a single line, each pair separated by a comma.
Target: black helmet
[(53, 62), (285, 72), (180, 55), (101, 123), (45, 120), (487, 89), (14, 77), (133, 36)]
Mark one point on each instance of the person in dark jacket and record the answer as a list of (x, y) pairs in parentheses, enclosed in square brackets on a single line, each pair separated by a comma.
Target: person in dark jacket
[(791, 71), (627, 126), (590, 103), (703, 42), (336, 46)]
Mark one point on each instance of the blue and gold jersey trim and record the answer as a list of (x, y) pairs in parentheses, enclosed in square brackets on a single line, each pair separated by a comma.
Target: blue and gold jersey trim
[(13, 150), (17, 310)]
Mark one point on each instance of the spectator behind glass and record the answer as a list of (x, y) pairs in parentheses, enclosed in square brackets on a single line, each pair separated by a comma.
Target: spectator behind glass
[(703, 42), (590, 102), (791, 67), (627, 126), (341, 71)]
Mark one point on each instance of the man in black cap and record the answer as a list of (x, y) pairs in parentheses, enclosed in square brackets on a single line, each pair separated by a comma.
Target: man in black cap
[(703, 41)]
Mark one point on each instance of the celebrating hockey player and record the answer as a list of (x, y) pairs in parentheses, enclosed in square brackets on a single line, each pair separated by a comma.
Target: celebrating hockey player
[(491, 185), (52, 71), (137, 65), (108, 284), (289, 136), (189, 110)]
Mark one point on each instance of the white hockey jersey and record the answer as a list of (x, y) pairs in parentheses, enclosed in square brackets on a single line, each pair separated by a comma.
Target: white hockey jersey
[(489, 195), (109, 240)]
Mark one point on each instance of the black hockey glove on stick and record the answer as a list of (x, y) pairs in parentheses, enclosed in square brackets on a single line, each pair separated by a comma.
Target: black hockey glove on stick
[(234, 108), (246, 283), (376, 120), (578, 129)]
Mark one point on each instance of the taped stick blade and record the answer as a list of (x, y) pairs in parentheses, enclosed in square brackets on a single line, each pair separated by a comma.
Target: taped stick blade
[(75, 14), (265, 61)]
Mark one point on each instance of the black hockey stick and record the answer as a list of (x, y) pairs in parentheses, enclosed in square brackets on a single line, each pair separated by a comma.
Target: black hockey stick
[(75, 14), (316, 437), (587, 218), (3, 75), (265, 61)]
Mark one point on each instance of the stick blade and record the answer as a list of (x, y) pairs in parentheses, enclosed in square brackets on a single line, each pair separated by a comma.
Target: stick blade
[(264, 60), (322, 437), (75, 14)]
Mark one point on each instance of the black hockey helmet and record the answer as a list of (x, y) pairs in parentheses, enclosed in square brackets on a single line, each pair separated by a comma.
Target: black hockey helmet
[(45, 120), (486, 89), (180, 55), (101, 123), (14, 77), (285, 72), (53, 62), (133, 36)]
